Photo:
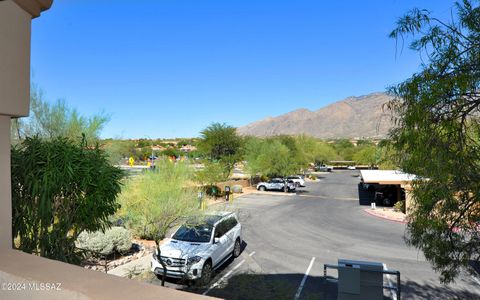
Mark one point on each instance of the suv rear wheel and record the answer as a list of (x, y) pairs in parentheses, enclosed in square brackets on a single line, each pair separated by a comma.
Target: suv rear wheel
[(262, 188)]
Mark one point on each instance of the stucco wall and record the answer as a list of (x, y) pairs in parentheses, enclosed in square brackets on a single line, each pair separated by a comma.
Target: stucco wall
[(5, 191), (15, 26)]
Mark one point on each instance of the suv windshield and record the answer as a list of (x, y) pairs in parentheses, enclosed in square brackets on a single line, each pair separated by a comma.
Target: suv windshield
[(196, 233)]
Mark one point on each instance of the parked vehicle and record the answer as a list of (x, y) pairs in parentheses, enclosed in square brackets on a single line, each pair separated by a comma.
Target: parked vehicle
[(351, 168), (297, 180), (199, 246), (276, 184), (323, 168)]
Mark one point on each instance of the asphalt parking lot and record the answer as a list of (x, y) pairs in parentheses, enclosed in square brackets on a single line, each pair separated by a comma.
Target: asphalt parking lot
[(290, 237)]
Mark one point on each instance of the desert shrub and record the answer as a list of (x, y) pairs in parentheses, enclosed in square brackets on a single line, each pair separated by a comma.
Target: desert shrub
[(60, 188), (152, 202), (399, 206), (212, 190), (212, 173), (237, 188), (115, 239), (313, 177)]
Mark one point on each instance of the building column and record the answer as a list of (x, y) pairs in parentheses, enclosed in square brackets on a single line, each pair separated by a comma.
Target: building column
[(15, 25), (5, 184), (408, 199)]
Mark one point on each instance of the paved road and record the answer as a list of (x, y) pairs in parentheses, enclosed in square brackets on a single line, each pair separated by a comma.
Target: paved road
[(323, 222)]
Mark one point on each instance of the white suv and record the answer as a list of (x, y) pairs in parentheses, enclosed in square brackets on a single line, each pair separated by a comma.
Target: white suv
[(199, 246), (298, 180)]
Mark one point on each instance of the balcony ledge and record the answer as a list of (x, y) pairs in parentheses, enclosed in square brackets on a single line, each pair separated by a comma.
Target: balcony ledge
[(25, 274)]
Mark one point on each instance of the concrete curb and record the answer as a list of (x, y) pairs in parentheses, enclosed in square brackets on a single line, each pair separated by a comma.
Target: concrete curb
[(268, 193), (328, 198), (139, 265), (368, 211)]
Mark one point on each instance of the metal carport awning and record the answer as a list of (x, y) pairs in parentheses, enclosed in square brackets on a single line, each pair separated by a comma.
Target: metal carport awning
[(386, 177)]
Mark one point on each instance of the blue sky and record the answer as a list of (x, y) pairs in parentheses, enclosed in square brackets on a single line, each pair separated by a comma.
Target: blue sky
[(168, 68)]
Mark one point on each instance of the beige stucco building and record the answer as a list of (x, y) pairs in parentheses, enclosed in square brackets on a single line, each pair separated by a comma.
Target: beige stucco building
[(23, 273), (394, 178)]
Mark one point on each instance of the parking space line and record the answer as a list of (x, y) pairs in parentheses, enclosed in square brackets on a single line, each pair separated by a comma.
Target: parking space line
[(226, 275), (476, 279), (330, 198), (389, 282), (300, 288)]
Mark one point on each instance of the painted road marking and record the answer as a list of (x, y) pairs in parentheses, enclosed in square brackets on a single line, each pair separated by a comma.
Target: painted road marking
[(389, 282), (217, 283), (476, 279), (300, 288), (331, 198)]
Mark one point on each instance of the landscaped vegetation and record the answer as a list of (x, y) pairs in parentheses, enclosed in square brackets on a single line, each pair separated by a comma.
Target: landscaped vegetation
[(155, 201), (115, 239), (67, 193), (437, 136), (119, 150), (60, 188)]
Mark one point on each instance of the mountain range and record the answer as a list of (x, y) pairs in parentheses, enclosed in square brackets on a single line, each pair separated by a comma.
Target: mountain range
[(353, 117)]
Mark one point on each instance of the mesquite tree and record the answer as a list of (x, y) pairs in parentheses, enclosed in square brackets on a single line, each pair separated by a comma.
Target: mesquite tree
[(221, 143), (437, 136)]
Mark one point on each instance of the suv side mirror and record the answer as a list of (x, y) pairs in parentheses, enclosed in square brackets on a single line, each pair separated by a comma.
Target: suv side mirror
[(216, 240)]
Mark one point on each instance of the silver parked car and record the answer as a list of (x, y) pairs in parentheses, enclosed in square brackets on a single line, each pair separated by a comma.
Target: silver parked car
[(276, 184)]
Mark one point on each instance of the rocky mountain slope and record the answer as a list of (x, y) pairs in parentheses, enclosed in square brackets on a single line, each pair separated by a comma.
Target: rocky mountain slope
[(353, 117)]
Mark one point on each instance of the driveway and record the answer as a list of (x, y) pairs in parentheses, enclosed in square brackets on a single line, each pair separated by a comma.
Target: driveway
[(287, 237)]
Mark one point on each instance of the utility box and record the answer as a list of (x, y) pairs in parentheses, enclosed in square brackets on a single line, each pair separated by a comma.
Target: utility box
[(348, 278), (360, 280)]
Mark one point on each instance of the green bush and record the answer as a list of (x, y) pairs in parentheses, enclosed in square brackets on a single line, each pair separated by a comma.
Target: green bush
[(399, 206), (151, 203), (59, 189), (212, 190), (212, 173), (115, 239), (313, 177)]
